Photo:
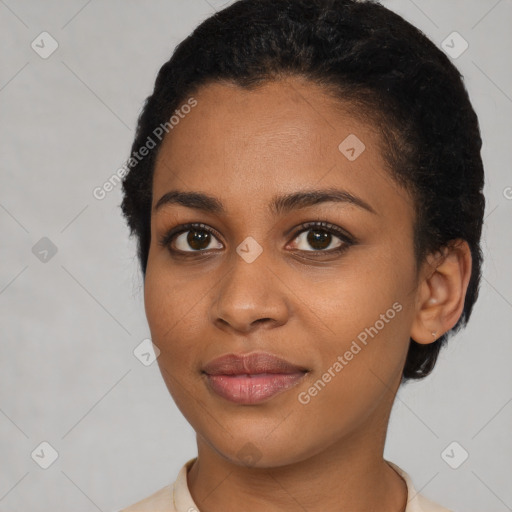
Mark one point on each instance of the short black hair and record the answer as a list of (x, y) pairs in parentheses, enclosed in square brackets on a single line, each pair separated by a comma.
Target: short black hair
[(367, 56)]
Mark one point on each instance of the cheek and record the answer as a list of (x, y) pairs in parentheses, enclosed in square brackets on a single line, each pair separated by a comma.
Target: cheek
[(356, 297), (158, 303), (368, 313), (172, 311), (172, 307), (360, 367)]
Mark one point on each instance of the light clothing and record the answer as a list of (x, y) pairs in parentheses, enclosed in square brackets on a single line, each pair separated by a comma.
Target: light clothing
[(176, 497)]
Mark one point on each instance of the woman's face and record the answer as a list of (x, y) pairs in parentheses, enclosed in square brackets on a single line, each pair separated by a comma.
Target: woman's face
[(337, 305)]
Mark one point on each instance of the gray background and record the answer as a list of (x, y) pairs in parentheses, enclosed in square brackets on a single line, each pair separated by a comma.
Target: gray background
[(70, 324)]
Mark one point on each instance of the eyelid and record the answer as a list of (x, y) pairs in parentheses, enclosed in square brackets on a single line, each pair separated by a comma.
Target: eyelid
[(327, 226)]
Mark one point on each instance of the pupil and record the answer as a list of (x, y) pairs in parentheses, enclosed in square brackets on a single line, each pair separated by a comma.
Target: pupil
[(196, 239), (319, 237)]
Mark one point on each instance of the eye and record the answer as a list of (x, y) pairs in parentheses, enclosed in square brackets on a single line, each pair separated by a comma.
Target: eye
[(199, 237), (321, 236), (196, 237)]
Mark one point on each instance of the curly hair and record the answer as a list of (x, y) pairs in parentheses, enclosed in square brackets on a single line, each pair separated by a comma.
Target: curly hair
[(366, 56)]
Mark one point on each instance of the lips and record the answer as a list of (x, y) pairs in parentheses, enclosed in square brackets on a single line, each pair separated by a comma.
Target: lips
[(251, 378), (249, 364)]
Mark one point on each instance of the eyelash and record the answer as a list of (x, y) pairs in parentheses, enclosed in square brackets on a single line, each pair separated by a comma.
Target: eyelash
[(348, 240)]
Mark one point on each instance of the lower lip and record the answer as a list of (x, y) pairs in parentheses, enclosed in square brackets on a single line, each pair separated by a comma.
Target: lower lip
[(243, 389)]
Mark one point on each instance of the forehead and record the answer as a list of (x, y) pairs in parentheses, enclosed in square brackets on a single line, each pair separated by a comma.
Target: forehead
[(282, 136), (291, 110)]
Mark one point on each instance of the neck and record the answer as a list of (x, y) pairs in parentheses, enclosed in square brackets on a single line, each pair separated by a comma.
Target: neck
[(349, 475)]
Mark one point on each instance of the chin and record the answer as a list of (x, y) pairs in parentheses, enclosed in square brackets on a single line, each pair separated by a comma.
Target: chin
[(261, 451)]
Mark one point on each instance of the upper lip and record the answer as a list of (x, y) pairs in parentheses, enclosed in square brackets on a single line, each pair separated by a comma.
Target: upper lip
[(254, 363)]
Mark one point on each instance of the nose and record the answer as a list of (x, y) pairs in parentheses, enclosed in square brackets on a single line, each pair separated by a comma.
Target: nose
[(250, 295)]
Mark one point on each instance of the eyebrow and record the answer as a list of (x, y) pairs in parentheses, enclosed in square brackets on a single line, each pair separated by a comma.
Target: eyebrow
[(278, 206)]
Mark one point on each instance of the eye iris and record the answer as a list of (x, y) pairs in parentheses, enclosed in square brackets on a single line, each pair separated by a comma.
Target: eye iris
[(197, 238), (316, 236)]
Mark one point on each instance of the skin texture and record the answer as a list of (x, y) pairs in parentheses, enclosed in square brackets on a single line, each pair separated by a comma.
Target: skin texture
[(245, 147)]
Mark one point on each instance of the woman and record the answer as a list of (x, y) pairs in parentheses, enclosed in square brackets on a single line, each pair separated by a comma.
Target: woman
[(305, 186)]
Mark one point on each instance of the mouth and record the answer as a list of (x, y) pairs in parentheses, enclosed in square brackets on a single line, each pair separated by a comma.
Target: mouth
[(251, 378)]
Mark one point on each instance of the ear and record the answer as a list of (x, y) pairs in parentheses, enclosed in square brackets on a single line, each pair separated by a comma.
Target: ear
[(441, 291)]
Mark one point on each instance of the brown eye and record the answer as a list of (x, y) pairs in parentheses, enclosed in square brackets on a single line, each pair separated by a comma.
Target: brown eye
[(196, 239), (322, 237), (318, 239), (190, 238)]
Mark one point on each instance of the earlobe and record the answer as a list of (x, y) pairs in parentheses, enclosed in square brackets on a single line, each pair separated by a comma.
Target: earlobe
[(441, 292)]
